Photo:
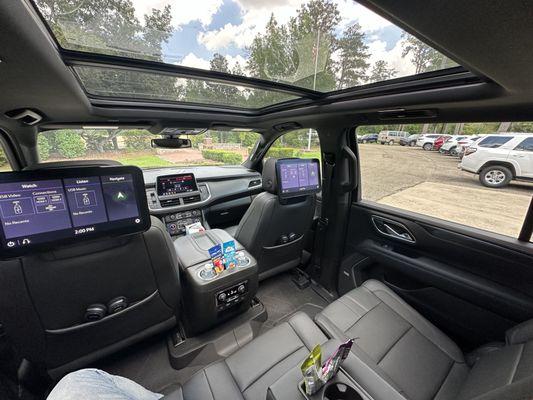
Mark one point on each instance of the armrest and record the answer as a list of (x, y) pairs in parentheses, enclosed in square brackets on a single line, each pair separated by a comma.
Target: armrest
[(521, 333)]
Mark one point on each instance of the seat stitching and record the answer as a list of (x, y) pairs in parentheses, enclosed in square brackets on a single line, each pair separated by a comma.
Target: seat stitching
[(394, 344), (264, 372), (355, 302), (432, 328), (361, 317), (297, 334), (209, 385), (444, 379), (516, 363)]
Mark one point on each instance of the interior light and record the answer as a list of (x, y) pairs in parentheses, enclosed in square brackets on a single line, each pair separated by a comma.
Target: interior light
[(100, 127)]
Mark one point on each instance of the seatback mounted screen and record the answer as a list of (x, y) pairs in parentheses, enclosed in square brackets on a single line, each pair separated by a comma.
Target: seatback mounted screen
[(297, 176), (47, 208)]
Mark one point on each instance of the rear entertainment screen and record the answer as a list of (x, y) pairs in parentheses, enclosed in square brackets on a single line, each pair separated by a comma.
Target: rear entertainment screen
[(298, 177), (171, 185), (41, 208)]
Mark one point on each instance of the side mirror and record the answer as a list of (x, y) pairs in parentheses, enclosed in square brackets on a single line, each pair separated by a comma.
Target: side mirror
[(172, 143)]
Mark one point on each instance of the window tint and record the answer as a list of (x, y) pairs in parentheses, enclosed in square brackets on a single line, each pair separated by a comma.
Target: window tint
[(430, 183), (4, 163), (302, 143), (526, 145), (494, 141)]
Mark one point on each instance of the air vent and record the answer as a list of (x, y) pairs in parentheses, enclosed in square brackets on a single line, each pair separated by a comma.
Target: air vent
[(169, 202), (191, 199), (400, 113), (27, 117), (255, 182), (287, 126)]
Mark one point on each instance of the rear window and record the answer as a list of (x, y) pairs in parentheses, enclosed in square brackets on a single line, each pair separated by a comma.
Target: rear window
[(494, 141), (525, 145)]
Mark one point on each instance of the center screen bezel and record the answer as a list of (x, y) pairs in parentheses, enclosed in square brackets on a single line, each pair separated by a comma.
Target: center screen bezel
[(79, 233), (162, 194)]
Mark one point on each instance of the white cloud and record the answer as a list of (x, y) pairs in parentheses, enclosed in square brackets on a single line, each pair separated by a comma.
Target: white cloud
[(182, 12), (351, 11), (193, 61), (393, 57)]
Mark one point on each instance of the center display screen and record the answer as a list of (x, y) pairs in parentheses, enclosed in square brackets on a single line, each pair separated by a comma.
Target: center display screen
[(298, 177), (40, 208), (171, 185)]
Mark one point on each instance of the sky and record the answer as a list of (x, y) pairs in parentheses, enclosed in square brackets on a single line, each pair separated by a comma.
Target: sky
[(205, 27)]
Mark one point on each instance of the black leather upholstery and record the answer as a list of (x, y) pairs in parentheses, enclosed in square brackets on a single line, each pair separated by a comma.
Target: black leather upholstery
[(249, 372), (267, 219), (53, 289), (400, 355)]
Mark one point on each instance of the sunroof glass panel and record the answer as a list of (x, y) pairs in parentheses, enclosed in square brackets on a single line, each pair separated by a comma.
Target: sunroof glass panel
[(129, 84), (324, 45)]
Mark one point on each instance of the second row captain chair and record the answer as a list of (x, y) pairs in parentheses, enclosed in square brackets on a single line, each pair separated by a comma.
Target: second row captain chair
[(273, 228)]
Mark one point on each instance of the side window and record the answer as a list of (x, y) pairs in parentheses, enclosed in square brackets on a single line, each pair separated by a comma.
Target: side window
[(453, 183), (301, 143), (526, 145), (4, 163), (494, 142)]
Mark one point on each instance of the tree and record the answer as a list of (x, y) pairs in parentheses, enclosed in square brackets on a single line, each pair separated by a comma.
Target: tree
[(352, 66), (423, 57), (381, 72)]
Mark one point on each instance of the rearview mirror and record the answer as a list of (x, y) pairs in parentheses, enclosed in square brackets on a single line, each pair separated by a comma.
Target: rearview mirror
[(172, 143)]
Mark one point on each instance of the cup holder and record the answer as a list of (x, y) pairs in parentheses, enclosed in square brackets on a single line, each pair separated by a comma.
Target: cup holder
[(340, 391)]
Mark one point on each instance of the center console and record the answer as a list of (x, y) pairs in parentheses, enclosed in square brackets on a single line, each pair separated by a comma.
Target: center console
[(209, 298)]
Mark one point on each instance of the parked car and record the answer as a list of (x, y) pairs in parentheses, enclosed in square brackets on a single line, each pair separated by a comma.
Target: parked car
[(499, 158), (368, 138), (450, 145), (437, 144), (391, 137), (409, 140), (463, 144), (426, 141)]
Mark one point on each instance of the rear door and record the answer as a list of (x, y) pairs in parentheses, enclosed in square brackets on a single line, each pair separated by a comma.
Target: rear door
[(523, 155), (441, 240)]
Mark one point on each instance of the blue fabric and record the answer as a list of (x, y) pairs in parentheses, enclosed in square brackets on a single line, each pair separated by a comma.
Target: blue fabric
[(94, 384)]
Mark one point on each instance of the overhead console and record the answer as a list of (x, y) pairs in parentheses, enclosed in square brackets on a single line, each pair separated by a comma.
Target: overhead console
[(44, 209)]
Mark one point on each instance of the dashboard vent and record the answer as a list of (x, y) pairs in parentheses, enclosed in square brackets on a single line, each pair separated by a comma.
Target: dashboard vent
[(191, 199), (170, 202)]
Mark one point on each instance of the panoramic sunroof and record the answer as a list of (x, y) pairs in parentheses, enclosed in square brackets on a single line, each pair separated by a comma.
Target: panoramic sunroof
[(322, 45)]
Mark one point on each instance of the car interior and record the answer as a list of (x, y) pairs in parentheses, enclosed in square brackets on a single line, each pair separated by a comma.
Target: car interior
[(216, 281)]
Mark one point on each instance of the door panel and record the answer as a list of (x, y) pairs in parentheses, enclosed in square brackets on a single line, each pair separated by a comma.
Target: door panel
[(470, 284)]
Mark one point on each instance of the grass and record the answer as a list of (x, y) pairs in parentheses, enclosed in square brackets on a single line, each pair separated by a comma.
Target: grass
[(145, 161)]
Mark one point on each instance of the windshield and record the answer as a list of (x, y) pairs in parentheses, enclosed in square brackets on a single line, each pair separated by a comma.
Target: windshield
[(133, 147), (323, 45)]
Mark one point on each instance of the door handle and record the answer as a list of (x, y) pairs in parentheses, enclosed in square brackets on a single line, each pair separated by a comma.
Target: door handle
[(393, 229)]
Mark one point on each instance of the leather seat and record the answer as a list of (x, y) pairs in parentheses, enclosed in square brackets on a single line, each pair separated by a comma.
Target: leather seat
[(269, 218), (251, 370), (400, 355)]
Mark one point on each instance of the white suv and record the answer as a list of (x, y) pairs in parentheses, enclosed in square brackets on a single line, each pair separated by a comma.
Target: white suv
[(499, 158), (426, 141)]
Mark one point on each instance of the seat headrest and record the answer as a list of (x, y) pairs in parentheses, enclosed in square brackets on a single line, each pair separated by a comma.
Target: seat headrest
[(269, 177)]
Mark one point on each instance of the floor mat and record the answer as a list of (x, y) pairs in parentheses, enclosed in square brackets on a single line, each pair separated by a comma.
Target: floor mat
[(282, 297)]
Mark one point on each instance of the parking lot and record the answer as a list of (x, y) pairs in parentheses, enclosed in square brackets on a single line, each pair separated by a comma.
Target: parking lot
[(430, 183)]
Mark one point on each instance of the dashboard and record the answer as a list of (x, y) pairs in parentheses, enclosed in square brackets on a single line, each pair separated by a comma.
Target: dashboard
[(212, 195)]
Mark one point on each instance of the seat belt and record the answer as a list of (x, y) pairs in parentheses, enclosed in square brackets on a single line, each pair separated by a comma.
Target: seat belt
[(322, 225)]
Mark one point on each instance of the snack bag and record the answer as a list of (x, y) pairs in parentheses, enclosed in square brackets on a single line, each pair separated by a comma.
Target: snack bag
[(333, 363), (311, 369), (229, 254), (215, 253)]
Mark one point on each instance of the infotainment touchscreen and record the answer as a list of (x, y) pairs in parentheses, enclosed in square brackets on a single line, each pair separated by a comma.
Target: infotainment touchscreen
[(297, 177), (171, 185), (41, 208)]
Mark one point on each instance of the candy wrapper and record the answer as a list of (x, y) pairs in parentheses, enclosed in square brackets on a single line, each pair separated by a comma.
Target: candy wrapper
[(315, 374), (311, 369), (230, 261), (215, 253)]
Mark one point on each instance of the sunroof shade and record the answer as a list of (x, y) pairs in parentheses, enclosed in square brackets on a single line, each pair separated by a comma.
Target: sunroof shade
[(121, 83), (323, 45)]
